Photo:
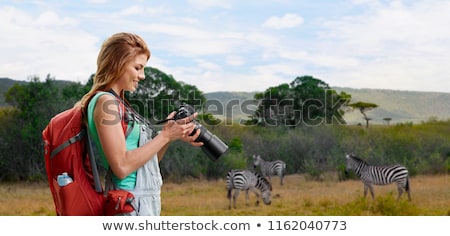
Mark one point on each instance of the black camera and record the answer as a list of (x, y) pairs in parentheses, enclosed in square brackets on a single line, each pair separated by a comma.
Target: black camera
[(212, 145)]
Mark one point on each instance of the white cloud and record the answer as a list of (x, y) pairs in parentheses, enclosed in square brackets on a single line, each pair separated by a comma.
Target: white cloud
[(208, 66), (390, 46), (284, 22), (211, 81), (49, 18), (97, 1), (235, 60), (220, 45), (201, 4), (36, 46), (132, 10)]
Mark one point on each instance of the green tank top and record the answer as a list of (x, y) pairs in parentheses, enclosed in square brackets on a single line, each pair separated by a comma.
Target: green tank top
[(132, 142)]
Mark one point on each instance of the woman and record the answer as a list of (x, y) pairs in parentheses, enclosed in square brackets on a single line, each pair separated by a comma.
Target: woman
[(131, 155)]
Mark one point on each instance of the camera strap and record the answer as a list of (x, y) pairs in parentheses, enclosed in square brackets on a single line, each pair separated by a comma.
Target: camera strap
[(131, 114)]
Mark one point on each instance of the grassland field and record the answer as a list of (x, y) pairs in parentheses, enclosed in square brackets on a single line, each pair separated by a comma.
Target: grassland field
[(297, 197)]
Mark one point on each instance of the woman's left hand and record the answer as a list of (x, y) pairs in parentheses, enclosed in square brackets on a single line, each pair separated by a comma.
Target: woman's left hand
[(191, 139)]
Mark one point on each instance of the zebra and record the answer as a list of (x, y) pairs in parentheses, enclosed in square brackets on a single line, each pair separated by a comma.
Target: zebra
[(245, 180), (270, 168), (379, 175)]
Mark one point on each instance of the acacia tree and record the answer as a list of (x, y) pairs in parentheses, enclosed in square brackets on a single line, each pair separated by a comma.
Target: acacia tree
[(387, 120), (364, 107)]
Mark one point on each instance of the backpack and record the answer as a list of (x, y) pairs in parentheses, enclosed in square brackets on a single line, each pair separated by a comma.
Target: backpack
[(68, 148)]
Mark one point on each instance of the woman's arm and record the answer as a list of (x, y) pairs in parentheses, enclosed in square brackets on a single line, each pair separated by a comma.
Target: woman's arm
[(112, 138)]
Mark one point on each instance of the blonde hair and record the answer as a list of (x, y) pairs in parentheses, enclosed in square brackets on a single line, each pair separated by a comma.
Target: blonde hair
[(116, 52)]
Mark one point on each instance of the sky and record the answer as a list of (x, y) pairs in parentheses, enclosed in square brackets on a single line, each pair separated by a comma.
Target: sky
[(235, 45)]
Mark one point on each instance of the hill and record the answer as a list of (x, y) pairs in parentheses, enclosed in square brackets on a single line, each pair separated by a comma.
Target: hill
[(235, 105), (400, 106), (5, 84)]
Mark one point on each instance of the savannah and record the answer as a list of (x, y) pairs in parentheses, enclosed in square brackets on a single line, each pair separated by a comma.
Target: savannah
[(299, 196), (194, 185)]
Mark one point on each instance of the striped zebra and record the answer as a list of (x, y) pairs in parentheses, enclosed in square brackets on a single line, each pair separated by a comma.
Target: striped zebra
[(379, 175), (270, 168), (245, 180)]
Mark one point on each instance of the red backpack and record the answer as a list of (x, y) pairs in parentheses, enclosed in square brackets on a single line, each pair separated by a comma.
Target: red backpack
[(67, 149)]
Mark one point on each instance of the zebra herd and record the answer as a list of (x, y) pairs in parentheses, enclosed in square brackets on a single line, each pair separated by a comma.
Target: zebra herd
[(260, 182), (246, 180), (270, 168)]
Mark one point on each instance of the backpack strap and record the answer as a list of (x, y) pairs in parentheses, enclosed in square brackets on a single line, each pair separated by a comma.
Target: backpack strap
[(125, 117), (131, 114), (70, 141), (91, 155), (129, 120)]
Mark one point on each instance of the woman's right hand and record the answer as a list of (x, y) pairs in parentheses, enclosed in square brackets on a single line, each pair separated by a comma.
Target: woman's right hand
[(179, 129)]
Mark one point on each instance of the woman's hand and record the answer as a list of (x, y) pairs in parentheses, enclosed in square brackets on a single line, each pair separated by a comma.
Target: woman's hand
[(191, 139), (187, 137), (181, 129)]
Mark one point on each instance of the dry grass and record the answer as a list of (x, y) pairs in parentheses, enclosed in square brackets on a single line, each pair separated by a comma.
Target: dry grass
[(298, 196), (25, 199)]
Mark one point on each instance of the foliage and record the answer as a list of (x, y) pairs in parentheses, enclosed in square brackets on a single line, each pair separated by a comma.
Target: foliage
[(305, 101), (10, 144), (160, 94), (308, 149), (364, 107), (34, 104)]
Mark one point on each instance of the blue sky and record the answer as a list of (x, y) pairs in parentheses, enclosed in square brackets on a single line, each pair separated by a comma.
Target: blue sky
[(228, 45)]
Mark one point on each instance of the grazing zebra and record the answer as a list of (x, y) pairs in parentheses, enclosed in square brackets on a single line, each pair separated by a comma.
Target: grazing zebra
[(269, 168), (245, 180), (379, 175)]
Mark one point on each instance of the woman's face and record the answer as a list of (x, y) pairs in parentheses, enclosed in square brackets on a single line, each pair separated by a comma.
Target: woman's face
[(134, 73)]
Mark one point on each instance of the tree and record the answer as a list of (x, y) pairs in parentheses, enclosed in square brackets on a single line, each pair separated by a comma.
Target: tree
[(159, 94), (364, 107), (271, 109), (305, 101), (73, 92), (34, 103), (387, 120)]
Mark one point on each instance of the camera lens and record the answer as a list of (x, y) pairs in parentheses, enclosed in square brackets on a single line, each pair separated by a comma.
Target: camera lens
[(212, 145)]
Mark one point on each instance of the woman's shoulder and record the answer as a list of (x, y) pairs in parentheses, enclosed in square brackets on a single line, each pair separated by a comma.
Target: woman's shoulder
[(102, 97)]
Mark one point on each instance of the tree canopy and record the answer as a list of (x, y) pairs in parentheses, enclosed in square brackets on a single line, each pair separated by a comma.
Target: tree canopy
[(33, 104), (305, 101), (364, 107), (159, 94)]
